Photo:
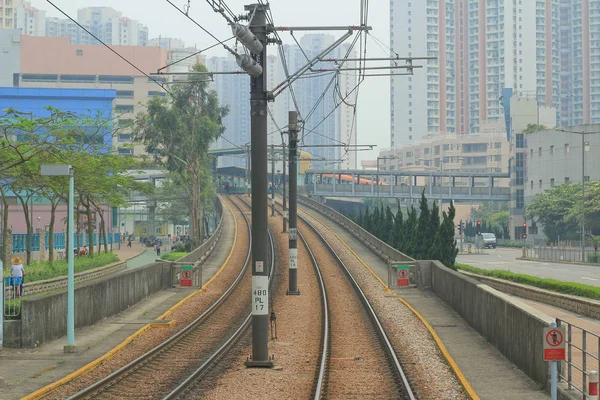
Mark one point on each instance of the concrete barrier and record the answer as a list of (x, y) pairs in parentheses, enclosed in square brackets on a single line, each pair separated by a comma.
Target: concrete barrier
[(580, 305), (44, 318), (60, 282), (510, 325)]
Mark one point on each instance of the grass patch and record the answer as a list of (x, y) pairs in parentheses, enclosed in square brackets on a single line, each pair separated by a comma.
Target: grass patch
[(38, 271), (577, 289), (174, 255)]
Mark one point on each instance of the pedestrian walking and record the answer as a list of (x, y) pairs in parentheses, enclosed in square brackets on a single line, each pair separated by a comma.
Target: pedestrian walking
[(129, 241), (157, 248), (17, 274)]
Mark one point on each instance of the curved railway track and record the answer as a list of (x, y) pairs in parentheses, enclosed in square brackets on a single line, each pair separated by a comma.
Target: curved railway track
[(200, 343), (194, 377), (327, 383)]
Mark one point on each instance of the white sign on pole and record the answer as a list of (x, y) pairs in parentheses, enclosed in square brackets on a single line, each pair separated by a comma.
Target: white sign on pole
[(293, 258), (260, 266), (260, 295), (293, 233), (554, 344)]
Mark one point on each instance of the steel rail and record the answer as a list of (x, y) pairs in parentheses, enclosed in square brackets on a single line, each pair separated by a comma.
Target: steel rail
[(389, 349), (326, 331), (115, 376), (181, 390)]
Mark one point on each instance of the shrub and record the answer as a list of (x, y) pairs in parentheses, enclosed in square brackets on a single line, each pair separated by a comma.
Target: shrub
[(174, 255), (576, 289), (594, 258)]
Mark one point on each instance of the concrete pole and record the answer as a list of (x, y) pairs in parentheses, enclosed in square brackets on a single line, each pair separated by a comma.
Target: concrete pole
[(248, 170), (582, 196), (378, 176), (284, 187), (293, 239), (272, 180), (260, 267)]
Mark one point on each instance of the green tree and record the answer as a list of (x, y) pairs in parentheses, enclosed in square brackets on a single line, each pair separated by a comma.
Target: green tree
[(408, 233), (388, 236), (552, 208), (397, 231), (179, 131), (445, 249), (422, 242)]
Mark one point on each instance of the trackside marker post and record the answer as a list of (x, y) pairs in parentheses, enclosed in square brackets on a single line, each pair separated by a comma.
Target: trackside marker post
[(593, 385), (554, 350)]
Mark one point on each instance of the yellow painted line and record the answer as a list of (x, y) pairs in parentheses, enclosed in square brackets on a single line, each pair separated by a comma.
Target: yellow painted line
[(455, 368), (161, 325), (38, 394)]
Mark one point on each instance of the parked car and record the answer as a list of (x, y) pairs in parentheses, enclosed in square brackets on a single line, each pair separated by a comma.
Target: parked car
[(489, 240)]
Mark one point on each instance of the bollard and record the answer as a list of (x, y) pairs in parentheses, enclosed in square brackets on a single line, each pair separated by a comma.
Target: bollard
[(593, 385), (469, 249), (524, 254)]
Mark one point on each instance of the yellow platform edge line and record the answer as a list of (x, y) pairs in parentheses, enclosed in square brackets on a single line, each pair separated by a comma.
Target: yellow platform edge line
[(453, 365), (38, 394)]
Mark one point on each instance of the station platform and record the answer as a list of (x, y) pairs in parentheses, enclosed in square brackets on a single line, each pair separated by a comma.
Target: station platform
[(27, 370), (488, 372)]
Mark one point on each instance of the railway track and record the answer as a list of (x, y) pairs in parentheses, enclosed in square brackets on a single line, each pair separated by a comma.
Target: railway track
[(185, 387), (200, 343), (344, 332)]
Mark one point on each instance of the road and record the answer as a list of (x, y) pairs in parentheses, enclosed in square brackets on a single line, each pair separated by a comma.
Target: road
[(506, 258)]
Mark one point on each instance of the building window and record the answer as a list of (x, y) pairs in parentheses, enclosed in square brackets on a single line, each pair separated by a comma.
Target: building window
[(125, 94), (540, 151), (520, 198), (124, 108), (125, 151), (497, 145), (125, 123), (531, 185), (567, 180), (552, 150), (153, 93), (567, 148), (531, 153), (551, 182), (519, 139), (520, 160), (118, 79), (128, 137), (540, 184)]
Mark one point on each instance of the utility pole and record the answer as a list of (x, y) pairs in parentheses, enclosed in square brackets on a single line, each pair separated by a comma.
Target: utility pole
[(258, 128), (293, 235), (248, 170), (272, 180), (284, 187)]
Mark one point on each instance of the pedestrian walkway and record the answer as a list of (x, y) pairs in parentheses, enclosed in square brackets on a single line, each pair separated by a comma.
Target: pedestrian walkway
[(27, 370), (490, 374)]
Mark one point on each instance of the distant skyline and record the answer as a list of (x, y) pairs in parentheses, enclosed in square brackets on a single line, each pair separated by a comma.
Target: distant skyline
[(163, 20)]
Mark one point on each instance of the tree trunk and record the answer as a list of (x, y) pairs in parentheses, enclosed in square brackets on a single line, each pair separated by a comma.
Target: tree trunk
[(90, 228), (194, 223), (103, 232), (78, 229), (25, 206), (54, 203), (5, 251)]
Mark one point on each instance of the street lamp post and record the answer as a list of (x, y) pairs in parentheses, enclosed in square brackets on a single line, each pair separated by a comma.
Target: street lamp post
[(67, 170)]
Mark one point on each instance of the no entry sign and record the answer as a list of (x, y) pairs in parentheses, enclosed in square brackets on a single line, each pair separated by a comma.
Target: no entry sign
[(554, 344), (186, 275), (402, 271)]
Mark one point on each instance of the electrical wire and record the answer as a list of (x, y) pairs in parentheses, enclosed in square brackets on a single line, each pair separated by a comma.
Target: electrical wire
[(221, 42), (194, 54), (107, 46)]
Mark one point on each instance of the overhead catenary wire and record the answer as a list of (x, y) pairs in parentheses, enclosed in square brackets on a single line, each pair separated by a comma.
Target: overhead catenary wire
[(194, 54), (107, 46)]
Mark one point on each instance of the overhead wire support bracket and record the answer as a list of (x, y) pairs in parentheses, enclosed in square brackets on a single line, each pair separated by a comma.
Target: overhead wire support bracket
[(408, 67), (322, 28), (292, 78)]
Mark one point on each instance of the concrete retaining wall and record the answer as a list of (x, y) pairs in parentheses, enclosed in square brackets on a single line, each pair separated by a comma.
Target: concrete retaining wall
[(510, 325), (44, 318)]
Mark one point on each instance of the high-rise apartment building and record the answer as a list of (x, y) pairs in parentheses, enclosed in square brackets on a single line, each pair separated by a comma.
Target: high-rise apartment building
[(8, 9), (548, 49), (105, 23), (29, 20), (580, 61), (325, 102), (234, 92)]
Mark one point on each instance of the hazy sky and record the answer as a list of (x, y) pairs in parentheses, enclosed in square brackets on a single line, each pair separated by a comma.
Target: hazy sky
[(164, 20)]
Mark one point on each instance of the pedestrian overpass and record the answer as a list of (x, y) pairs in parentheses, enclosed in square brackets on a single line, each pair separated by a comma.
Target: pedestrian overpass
[(458, 186)]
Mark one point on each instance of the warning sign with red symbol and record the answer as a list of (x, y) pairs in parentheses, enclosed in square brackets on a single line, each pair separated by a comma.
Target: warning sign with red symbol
[(554, 344), (402, 275), (186, 275)]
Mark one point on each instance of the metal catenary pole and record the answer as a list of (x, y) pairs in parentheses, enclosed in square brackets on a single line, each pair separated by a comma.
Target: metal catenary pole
[(284, 188), (248, 170), (293, 176), (582, 196), (258, 129), (272, 180)]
